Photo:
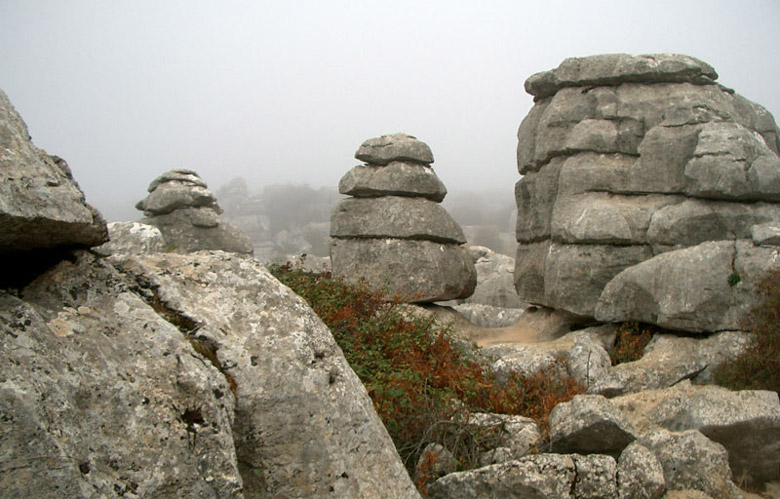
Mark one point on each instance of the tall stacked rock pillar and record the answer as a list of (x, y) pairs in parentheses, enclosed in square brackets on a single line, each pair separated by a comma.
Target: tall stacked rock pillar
[(625, 158), (392, 232)]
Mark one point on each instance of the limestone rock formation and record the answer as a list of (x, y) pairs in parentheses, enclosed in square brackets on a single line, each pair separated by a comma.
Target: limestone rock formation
[(41, 205), (392, 233), (590, 424), (625, 158), (186, 212), (132, 238)]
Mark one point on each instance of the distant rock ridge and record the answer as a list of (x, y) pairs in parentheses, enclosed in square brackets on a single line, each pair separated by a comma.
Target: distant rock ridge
[(185, 211), (392, 232), (628, 159)]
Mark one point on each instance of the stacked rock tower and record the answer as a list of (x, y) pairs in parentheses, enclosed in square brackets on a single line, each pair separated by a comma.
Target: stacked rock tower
[(392, 232), (646, 188), (186, 212)]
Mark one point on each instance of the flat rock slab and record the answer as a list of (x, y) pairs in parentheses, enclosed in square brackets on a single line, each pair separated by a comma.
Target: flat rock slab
[(394, 217), (41, 206), (398, 178), (417, 271), (397, 147)]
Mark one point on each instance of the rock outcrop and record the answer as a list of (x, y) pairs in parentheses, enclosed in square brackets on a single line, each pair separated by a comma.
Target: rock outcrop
[(186, 212), (392, 233), (632, 159), (41, 205)]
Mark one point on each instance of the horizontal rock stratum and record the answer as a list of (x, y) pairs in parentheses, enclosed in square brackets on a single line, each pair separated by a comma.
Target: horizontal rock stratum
[(632, 158)]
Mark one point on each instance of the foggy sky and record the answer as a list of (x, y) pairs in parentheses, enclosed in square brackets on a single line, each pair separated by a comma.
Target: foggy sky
[(285, 91)]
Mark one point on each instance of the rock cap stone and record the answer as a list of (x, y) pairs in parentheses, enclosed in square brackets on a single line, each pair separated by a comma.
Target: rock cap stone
[(396, 147), (614, 69), (398, 178)]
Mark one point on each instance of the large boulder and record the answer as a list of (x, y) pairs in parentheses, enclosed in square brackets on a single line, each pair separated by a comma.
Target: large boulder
[(625, 157), (180, 205), (590, 424), (640, 475), (393, 234), (41, 205), (132, 238), (304, 423)]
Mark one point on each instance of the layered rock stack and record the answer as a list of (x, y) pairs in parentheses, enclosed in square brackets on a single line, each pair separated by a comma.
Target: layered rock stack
[(649, 193), (186, 212), (392, 232)]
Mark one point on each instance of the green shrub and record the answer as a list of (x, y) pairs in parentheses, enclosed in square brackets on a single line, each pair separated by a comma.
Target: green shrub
[(631, 338), (758, 367), (416, 375)]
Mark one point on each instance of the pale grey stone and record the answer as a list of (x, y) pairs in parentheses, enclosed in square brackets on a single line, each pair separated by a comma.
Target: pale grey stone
[(614, 69), (518, 434), (691, 461), (397, 147), (181, 175), (540, 476), (596, 477), (173, 195), (663, 156), (589, 424), (535, 195), (529, 271), (132, 238), (41, 205), (398, 178), (303, 420), (417, 271), (394, 217), (767, 234), (714, 295), (488, 316), (495, 280), (593, 172), (640, 475), (195, 229), (526, 138)]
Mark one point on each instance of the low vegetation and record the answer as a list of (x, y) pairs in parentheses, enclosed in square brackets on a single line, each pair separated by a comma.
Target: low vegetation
[(758, 367), (421, 380), (631, 338)]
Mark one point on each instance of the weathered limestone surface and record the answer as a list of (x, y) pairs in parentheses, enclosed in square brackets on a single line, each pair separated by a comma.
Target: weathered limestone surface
[(41, 205), (393, 234), (626, 157), (132, 238)]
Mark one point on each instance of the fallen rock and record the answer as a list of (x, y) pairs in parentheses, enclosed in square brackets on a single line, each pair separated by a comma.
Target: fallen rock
[(640, 475), (41, 205), (303, 421), (589, 424)]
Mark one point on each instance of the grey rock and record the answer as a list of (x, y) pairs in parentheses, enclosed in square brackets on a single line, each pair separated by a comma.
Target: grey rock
[(535, 194), (669, 359), (179, 175), (398, 178), (529, 271), (495, 280), (394, 217), (443, 461), (132, 238), (397, 147), (539, 476), (173, 195), (664, 153), (102, 397), (195, 229), (517, 434), (715, 294), (691, 461), (589, 424), (487, 316), (767, 234), (614, 69), (526, 138), (41, 205), (303, 421), (417, 271), (746, 423), (592, 172), (596, 477), (640, 475)]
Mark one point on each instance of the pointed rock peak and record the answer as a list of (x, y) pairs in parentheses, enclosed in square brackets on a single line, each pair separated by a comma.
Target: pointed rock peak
[(396, 147), (614, 69)]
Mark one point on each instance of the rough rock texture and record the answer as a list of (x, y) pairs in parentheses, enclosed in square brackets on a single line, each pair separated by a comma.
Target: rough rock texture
[(746, 423), (132, 238), (393, 234), (180, 205), (704, 288), (517, 434), (590, 424), (669, 359), (495, 276), (303, 421), (640, 475), (102, 397), (539, 476), (692, 462), (41, 205), (624, 158)]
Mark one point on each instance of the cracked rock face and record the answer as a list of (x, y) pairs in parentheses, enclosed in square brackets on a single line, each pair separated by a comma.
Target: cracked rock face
[(627, 158), (185, 211), (393, 233)]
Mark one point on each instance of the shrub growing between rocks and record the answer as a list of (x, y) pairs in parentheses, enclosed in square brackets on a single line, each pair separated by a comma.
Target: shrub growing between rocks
[(420, 380), (631, 338)]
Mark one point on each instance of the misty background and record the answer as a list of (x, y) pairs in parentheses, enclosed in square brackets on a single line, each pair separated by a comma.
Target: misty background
[(269, 100)]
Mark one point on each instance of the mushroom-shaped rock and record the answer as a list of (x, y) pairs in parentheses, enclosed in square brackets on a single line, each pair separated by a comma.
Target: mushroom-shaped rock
[(396, 147)]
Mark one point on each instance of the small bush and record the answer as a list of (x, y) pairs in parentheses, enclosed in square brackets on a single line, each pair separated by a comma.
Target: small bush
[(630, 342), (419, 378), (758, 367)]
